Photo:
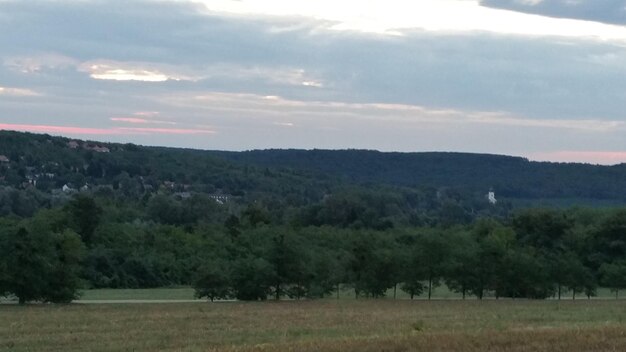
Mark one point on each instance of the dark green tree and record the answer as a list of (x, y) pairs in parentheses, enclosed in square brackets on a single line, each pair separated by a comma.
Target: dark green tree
[(85, 215), (213, 281), (64, 278), (252, 278), (613, 275), (28, 261)]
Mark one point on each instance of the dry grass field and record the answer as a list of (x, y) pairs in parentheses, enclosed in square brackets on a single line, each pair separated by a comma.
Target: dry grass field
[(364, 325)]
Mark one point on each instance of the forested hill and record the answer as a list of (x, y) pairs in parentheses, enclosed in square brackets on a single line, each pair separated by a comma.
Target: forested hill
[(511, 177), (298, 177)]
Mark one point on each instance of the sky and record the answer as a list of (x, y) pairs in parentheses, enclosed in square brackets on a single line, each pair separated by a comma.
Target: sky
[(542, 79)]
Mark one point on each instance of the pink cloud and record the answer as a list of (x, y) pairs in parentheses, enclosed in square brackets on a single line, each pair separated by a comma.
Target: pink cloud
[(146, 113), (592, 157), (59, 129), (73, 130), (129, 120), (167, 130), (142, 118)]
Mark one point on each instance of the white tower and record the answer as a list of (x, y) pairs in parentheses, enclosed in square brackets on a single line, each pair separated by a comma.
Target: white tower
[(491, 197)]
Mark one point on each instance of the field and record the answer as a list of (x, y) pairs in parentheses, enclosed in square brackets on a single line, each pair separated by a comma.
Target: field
[(187, 294), (343, 325)]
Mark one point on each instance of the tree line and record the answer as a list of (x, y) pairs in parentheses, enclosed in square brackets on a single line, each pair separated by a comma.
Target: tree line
[(249, 254)]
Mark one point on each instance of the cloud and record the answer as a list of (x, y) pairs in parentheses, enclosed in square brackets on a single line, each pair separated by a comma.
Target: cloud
[(183, 131), (592, 157), (39, 62), (18, 92), (139, 120), (129, 71), (606, 11), (215, 103), (129, 120), (393, 17), (515, 83), (85, 131), (61, 130), (284, 124)]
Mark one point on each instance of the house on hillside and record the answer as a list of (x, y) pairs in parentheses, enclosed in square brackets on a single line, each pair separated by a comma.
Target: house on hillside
[(4, 159), (73, 144), (219, 198), (491, 197), (99, 149), (96, 148)]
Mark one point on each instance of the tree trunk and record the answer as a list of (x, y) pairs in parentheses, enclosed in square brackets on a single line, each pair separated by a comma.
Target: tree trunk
[(616, 292), (21, 301), (573, 294), (430, 286), (395, 288), (337, 291), (298, 292), (559, 290), (277, 291), (412, 295), (463, 290)]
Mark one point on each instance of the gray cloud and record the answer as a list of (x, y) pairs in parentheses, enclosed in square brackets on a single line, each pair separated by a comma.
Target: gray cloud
[(606, 11), (534, 87)]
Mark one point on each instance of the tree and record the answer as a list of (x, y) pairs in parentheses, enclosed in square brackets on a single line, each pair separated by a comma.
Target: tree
[(462, 263), (28, 261), (64, 277), (429, 258), (526, 275), (371, 266), (213, 281), (328, 271), (613, 275), (252, 278), (579, 277), (85, 215), (41, 260), (255, 215), (609, 240), (541, 228), (493, 242), (290, 267)]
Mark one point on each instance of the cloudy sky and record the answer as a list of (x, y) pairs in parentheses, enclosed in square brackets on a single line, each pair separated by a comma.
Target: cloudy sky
[(544, 79)]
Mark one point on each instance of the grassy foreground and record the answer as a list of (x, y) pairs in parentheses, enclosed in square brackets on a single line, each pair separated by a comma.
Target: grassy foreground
[(364, 325)]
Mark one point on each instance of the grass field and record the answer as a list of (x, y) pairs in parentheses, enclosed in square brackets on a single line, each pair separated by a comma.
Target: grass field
[(183, 293), (327, 325), (186, 293)]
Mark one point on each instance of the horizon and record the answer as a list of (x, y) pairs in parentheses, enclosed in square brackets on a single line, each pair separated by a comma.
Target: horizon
[(536, 79), (310, 149)]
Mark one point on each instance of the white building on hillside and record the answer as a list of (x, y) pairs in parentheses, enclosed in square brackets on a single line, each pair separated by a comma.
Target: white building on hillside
[(491, 197)]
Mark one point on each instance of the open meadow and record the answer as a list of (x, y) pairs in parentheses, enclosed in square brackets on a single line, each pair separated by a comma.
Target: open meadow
[(344, 325)]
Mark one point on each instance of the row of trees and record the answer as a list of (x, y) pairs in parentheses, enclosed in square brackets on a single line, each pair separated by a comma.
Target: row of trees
[(536, 253), (487, 257)]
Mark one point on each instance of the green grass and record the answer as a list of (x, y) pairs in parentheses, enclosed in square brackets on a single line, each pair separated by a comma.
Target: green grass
[(326, 325), (187, 293), (184, 293)]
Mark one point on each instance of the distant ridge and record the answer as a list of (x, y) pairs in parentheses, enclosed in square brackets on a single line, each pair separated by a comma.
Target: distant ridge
[(510, 177)]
